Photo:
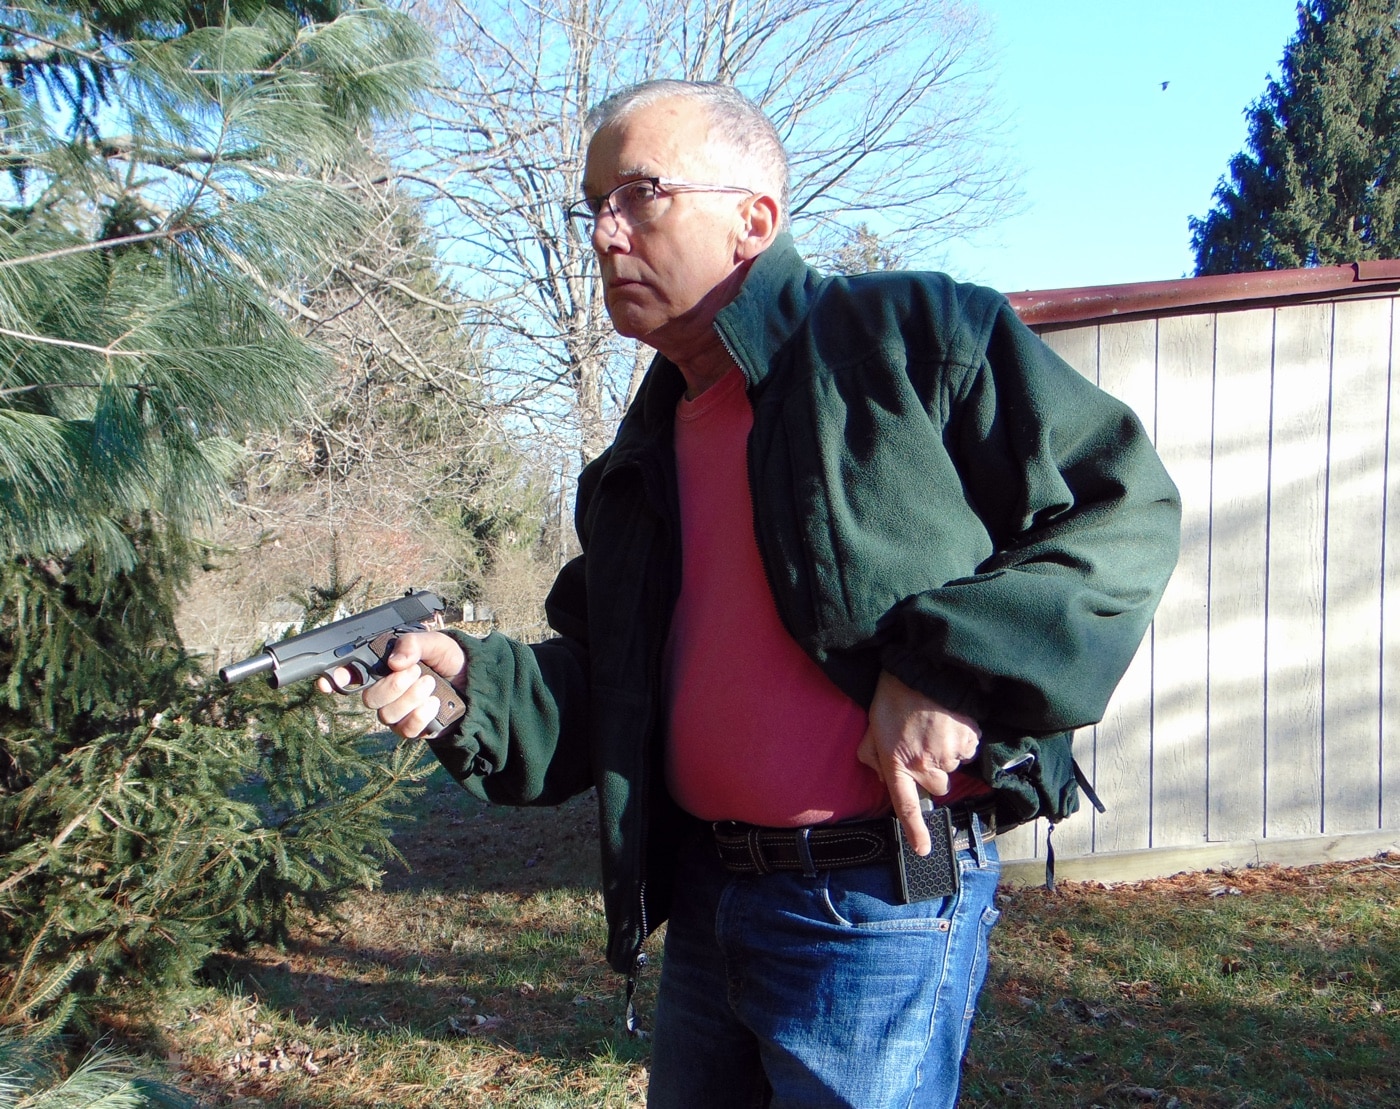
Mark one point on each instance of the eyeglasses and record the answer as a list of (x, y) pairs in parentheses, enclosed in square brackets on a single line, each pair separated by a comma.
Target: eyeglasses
[(640, 201)]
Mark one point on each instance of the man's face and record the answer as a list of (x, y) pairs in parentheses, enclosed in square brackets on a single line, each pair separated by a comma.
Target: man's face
[(661, 272)]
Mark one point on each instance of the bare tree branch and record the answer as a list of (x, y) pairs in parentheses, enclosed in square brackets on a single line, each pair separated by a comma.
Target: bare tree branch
[(884, 105)]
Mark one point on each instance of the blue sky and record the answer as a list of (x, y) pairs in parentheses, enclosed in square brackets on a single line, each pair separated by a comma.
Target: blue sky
[(1112, 163)]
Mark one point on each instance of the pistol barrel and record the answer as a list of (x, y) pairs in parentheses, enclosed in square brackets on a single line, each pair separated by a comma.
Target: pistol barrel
[(237, 671)]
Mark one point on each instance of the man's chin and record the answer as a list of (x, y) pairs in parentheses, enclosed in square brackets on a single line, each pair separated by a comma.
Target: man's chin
[(629, 323)]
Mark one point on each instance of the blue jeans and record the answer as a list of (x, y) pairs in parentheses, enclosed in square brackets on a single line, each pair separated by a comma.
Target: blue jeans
[(791, 992)]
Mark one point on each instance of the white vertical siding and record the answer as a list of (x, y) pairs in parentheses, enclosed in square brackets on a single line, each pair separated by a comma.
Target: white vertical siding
[(1262, 705), (1390, 602), (1238, 554), (1177, 785), (1351, 674), (1123, 741), (1297, 515)]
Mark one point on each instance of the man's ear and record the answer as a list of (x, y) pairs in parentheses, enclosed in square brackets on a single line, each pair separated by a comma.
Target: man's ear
[(760, 227)]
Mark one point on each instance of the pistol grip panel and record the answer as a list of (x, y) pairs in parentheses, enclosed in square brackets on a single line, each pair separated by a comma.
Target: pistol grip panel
[(452, 705)]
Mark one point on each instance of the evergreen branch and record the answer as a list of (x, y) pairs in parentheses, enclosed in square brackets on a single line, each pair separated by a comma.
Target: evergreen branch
[(47, 990), (238, 262), (31, 952), (98, 244), (239, 73), (73, 825), (27, 57), (171, 158), (68, 344), (58, 1017), (206, 179)]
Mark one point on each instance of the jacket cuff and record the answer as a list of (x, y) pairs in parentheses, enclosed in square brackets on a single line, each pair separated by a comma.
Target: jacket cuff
[(954, 689), (465, 750)]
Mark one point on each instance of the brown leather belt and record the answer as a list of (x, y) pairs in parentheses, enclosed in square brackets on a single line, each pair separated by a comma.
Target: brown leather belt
[(754, 849)]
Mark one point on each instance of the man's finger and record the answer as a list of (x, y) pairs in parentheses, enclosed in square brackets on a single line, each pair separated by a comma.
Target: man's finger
[(868, 753), (388, 691), (407, 650), (421, 720), (904, 797), (333, 681), (937, 782), (440, 653)]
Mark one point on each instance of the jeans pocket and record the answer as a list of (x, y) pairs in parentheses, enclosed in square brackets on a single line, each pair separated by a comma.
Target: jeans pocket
[(867, 898)]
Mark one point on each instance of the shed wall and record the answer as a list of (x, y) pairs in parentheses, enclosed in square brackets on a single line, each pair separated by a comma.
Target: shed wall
[(1262, 703)]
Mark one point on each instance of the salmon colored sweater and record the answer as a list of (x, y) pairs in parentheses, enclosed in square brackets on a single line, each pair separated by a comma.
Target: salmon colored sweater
[(758, 732)]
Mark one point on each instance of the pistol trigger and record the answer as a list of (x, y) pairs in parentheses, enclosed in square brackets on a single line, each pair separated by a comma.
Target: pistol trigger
[(359, 678)]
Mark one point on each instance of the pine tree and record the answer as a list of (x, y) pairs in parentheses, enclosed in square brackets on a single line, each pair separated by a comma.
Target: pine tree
[(1317, 184), (153, 817), (169, 180), (166, 170)]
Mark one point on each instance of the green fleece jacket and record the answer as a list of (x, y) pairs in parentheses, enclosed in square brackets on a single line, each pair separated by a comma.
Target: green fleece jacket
[(936, 494)]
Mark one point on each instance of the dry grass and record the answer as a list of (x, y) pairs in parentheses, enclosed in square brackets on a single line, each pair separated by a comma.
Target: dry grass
[(1267, 986), (476, 979), (472, 979)]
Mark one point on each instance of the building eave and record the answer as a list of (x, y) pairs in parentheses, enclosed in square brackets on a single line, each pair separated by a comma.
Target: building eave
[(1051, 309)]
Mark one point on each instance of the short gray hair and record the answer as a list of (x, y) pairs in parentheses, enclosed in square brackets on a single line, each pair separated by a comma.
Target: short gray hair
[(736, 122)]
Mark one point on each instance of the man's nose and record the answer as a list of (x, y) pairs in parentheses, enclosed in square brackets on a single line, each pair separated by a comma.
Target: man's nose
[(609, 233)]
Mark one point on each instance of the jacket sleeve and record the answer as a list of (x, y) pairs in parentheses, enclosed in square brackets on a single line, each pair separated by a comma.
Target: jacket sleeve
[(523, 740), (1083, 523), (525, 737)]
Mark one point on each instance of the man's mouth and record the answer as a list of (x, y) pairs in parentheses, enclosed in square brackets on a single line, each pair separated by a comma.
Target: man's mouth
[(624, 284)]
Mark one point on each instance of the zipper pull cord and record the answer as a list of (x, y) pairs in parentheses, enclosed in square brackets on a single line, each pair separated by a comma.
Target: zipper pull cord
[(635, 1030), (1088, 790)]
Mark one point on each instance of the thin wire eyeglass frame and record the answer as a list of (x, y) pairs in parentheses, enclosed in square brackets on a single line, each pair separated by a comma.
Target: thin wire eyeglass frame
[(591, 209)]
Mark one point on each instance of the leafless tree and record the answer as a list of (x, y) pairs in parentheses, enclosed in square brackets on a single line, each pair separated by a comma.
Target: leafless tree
[(397, 472), (884, 105)]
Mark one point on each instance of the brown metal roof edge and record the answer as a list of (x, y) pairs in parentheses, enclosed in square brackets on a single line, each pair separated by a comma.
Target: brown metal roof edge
[(1101, 302)]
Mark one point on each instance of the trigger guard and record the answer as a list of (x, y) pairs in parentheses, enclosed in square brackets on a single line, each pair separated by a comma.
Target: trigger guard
[(360, 677)]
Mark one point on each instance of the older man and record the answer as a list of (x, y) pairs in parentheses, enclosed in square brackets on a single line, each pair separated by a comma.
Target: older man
[(858, 542)]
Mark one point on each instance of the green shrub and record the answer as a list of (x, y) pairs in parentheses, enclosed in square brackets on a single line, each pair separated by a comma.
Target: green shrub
[(149, 815), (30, 1079)]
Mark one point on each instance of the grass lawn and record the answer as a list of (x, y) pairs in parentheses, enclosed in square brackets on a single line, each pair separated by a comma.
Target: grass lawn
[(475, 978)]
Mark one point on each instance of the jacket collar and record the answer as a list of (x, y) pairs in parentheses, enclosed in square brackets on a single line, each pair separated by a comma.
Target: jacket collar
[(772, 303)]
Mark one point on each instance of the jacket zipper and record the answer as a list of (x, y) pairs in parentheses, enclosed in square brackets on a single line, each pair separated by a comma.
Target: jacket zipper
[(753, 494), (650, 481), (639, 963)]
